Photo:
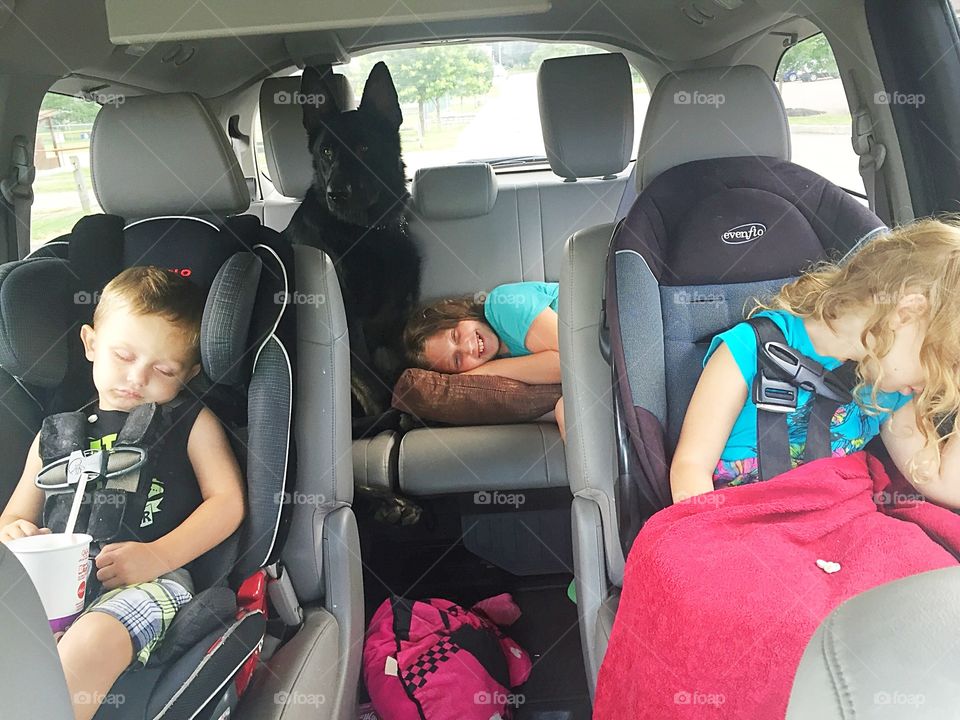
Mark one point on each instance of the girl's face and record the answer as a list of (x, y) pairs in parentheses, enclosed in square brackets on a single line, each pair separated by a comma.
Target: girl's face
[(902, 371), (467, 345)]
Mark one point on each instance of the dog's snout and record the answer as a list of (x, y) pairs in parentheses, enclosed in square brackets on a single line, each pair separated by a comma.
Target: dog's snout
[(339, 192)]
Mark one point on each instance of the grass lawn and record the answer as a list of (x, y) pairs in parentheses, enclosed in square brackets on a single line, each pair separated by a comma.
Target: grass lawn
[(48, 225), (61, 181), (443, 138), (823, 119)]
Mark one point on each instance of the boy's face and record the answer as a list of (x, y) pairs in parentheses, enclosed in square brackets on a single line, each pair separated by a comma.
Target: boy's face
[(137, 359)]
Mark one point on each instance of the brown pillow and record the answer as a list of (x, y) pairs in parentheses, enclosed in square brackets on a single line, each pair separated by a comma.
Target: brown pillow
[(471, 399)]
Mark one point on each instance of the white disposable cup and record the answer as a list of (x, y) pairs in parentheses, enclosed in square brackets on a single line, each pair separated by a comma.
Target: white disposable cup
[(58, 565)]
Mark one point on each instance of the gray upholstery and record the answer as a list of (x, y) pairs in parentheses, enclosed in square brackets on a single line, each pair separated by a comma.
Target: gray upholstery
[(322, 418), (586, 114), (591, 455), (296, 683), (31, 676), (226, 319), (289, 164), (494, 457), (710, 113), (376, 460), (449, 192), (164, 155), (891, 652)]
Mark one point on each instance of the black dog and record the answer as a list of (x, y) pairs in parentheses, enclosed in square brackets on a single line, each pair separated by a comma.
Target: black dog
[(354, 211)]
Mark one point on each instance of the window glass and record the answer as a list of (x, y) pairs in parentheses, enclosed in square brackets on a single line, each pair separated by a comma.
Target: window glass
[(63, 192), (820, 122), (472, 101)]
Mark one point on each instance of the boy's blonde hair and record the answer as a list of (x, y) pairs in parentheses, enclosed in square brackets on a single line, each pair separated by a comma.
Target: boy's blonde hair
[(149, 290), (427, 320), (921, 257)]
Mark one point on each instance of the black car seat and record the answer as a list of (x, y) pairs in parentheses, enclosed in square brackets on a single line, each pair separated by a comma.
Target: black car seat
[(163, 168), (703, 168)]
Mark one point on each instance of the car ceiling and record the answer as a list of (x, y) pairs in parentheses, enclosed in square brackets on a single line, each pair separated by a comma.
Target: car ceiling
[(70, 40)]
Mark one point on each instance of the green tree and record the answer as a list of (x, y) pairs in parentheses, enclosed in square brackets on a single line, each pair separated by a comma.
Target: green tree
[(70, 109), (427, 75), (813, 54)]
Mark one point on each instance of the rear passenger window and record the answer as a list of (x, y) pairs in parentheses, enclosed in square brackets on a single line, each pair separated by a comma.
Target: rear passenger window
[(63, 192), (817, 110), (473, 101)]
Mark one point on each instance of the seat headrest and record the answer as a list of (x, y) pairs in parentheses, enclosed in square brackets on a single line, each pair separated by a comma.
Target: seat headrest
[(449, 192), (284, 137), (741, 220), (586, 114), (164, 155), (711, 113)]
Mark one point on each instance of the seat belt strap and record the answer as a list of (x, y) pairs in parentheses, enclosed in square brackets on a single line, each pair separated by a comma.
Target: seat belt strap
[(774, 398), (17, 191)]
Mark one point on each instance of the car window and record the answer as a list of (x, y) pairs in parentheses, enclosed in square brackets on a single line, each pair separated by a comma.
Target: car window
[(471, 101), (63, 192), (817, 110)]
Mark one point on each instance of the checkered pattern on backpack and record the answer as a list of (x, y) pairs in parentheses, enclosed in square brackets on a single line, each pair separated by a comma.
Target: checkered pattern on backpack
[(428, 663)]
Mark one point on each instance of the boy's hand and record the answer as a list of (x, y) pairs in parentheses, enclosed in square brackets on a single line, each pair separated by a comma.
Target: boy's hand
[(128, 563), (19, 529)]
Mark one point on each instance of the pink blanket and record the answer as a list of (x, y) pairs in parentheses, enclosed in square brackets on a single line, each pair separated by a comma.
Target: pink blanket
[(722, 592)]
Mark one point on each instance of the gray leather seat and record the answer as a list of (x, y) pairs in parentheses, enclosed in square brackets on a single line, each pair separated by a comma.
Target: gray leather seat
[(891, 652), (319, 573), (31, 681), (476, 230), (751, 120), (289, 164)]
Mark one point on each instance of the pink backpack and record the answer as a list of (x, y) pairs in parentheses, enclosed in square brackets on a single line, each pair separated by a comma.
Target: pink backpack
[(434, 660)]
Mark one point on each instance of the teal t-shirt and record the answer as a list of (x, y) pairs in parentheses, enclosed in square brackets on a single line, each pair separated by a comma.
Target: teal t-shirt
[(511, 309), (850, 428)]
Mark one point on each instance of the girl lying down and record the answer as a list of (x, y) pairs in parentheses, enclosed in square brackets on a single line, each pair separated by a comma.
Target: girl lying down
[(512, 333)]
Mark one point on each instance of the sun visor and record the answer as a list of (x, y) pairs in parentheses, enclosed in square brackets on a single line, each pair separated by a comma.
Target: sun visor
[(136, 21)]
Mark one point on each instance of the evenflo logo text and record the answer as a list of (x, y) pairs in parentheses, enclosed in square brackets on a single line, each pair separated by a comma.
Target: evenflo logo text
[(743, 233)]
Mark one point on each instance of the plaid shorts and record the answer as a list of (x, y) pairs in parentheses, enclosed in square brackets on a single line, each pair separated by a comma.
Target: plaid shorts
[(145, 610)]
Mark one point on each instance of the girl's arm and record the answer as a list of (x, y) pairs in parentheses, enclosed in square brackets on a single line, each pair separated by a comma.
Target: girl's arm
[(716, 402), (214, 520), (543, 333), (940, 471), (25, 508), (540, 368)]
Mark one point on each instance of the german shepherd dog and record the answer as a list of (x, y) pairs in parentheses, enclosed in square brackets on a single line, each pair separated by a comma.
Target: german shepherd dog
[(354, 211)]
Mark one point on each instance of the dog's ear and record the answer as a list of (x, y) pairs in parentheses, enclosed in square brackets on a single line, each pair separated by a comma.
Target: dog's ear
[(380, 96), (318, 100)]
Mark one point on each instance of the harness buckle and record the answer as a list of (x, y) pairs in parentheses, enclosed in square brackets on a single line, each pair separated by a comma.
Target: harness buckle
[(804, 372), (774, 395)]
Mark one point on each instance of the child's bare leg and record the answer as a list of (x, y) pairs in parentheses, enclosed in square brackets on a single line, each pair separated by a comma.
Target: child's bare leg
[(94, 651), (558, 412)]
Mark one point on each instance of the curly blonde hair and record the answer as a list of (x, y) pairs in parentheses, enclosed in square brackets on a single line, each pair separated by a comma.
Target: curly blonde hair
[(921, 257), (428, 320)]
